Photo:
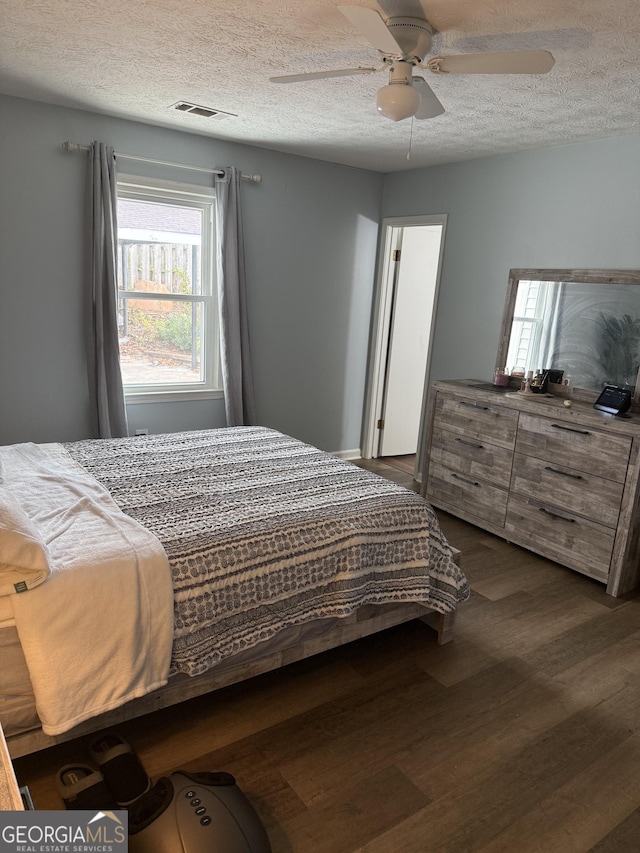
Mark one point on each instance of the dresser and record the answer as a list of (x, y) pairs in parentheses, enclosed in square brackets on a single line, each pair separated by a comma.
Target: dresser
[(563, 482)]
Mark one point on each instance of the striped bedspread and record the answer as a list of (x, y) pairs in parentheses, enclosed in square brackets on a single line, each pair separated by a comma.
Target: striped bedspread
[(263, 532)]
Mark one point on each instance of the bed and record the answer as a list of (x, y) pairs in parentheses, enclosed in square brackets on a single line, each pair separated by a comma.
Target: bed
[(139, 572)]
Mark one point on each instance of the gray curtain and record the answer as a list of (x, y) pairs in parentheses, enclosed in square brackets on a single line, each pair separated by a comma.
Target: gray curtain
[(105, 378), (237, 382)]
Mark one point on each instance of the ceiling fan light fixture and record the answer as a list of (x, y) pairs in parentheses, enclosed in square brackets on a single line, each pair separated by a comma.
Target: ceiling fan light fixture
[(403, 43), (398, 101)]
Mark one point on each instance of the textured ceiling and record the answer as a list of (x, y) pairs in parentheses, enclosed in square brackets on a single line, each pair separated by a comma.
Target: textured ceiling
[(134, 58)]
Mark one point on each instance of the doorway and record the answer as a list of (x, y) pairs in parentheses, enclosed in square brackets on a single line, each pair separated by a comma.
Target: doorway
[(404, 313)]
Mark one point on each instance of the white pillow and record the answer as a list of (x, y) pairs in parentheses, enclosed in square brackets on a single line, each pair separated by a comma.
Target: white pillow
[(24, 558)]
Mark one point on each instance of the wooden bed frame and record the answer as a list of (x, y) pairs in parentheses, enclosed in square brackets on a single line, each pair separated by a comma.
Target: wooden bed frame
[(369, 619)]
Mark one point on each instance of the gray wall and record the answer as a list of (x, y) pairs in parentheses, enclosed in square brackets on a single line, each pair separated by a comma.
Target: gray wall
[(311, 234), (311, 240), (576, 206)]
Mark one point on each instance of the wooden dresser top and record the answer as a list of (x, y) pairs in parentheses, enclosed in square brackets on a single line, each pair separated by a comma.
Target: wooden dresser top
[(552, 406)]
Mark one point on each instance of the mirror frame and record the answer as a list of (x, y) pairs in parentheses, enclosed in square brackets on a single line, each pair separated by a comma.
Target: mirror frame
[(603, 277)]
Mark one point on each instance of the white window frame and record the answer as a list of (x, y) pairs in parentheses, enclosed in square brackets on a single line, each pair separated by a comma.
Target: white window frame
[(533, 319), (200, 198)]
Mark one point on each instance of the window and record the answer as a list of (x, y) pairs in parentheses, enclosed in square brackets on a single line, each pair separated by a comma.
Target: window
[(531, 337), (166, 312)]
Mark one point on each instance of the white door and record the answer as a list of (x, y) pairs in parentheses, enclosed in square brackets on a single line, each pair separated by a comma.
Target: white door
[(404, 313), (409, 339)]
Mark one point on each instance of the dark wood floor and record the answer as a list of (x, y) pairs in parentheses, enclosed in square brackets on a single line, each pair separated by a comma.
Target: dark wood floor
[(405, 463), (522, 735)]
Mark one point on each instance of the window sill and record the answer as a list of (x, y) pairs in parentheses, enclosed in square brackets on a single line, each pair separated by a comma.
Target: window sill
[(134, 397)]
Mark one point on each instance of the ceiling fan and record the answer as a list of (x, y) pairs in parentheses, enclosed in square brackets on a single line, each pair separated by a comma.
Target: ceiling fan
[(403, 44)]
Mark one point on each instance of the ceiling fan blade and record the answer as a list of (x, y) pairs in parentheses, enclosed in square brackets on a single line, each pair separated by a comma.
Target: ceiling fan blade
[(320, 75), (430, 106), (512, 62), (371, 24)]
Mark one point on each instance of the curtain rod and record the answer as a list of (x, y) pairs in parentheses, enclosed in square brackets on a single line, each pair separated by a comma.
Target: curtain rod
[(75, 146)]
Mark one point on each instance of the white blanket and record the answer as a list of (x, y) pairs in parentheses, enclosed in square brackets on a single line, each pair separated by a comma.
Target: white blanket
[(24, 561), (109, 591)]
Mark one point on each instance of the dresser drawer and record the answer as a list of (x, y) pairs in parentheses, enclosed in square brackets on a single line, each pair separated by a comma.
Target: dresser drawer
[(560, 535), (589, 450), (472, 457), (585, 494), (472, 495), (474, 419)]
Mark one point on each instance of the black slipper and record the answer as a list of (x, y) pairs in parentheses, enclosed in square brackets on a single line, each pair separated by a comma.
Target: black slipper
[(121, 768), (83, 787)]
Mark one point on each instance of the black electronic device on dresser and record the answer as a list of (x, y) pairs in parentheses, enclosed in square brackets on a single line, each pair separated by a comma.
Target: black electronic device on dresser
[(613, 400)]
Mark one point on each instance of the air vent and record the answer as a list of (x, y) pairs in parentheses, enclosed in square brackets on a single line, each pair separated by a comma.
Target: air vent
[(199, 110)]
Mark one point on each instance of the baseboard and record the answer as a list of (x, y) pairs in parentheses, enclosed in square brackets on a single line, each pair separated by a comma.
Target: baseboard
[(349, 455)]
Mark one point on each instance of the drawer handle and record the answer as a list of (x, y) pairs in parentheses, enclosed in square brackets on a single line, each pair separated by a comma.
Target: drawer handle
[(563, 473), (474, 405), (554, 515), (470, 443), (571, 429), (464, 480)]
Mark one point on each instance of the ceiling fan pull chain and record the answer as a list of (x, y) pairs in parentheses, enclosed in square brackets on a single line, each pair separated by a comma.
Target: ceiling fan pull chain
[(410, 140)]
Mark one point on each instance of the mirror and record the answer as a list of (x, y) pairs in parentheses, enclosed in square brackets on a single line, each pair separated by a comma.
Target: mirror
[(583, 322)]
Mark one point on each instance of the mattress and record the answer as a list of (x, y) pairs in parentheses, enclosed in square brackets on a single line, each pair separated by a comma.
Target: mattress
[(17, 699), (16, 693)]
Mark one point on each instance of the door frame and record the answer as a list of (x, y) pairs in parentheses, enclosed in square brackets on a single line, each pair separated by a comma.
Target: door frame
[(383, 297)]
